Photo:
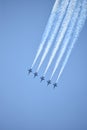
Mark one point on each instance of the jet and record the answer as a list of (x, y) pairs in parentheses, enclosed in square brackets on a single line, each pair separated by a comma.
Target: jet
[(55, 85), (35, 74), (42, 78), (30, 70), (48, 82)]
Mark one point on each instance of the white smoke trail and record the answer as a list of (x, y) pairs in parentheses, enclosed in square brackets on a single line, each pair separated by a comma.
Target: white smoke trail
[(79, 26), (67, 36), (61, 12), (62, 31), (47, 30)]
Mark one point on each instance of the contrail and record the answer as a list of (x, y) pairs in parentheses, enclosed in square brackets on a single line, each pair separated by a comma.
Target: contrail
[(62, 31), (78, 28), (67, 36), (47, 30), (61, 11)]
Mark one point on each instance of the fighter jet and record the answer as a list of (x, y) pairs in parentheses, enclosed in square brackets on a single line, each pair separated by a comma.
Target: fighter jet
[(48, 82), (55, 85), (42, 78), (35, 74), (30, 70)]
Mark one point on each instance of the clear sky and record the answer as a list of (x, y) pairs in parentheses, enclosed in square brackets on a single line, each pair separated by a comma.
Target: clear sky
[(25, 103)]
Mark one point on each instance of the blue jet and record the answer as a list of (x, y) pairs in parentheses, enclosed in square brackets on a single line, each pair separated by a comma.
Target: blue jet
[(35, 74), (48, 82), (42, 78), (30, 70), (55, 85)]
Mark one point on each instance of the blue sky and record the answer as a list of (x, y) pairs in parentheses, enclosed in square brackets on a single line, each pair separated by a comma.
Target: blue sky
[(25, 103)]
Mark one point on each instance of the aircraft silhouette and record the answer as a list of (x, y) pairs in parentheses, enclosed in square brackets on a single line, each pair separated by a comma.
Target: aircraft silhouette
[(35, 74), (55, 85), (30, 70), (48, 82), (42, 78)]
